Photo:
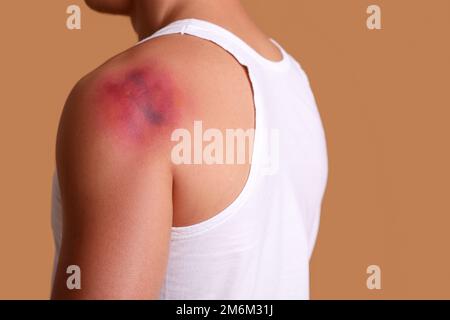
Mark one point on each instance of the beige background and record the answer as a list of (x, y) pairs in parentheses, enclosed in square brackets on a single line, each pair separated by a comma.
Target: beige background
[(384, 99)]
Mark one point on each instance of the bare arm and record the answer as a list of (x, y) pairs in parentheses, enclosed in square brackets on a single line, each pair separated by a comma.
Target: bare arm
[(116, 185)]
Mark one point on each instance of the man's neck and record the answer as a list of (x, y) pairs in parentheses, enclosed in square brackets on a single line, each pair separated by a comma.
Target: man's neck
[(148, 16)]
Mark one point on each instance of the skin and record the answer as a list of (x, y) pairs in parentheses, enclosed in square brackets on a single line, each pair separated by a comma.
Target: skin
[(121, 193), (140, 106)]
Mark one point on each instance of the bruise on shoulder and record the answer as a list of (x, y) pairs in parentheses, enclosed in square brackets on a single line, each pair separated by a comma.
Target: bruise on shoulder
[(140, 106)]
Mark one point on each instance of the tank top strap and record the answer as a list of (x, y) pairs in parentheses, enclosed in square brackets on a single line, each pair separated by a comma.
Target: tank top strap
[(227, 40)]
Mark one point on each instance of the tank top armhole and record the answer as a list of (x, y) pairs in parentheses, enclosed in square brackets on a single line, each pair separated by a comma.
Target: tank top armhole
[(239, 50)]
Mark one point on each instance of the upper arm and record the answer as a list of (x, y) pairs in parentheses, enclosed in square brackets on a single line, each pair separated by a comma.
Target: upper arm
[(116, 184)]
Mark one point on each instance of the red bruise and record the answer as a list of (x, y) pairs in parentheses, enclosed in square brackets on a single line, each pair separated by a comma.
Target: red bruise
[(141, 105)]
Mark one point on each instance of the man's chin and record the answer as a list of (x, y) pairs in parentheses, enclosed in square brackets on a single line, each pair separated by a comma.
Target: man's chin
[(110, 6)]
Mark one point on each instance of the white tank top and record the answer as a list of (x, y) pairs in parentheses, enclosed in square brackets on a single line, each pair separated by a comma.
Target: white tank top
[(259, 246)]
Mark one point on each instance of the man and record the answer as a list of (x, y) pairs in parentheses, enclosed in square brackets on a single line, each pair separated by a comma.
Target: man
[(140, 223)]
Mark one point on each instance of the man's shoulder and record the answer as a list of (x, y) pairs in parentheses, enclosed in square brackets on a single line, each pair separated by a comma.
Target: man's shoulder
[(189, 63), (177, 67), (190, 58), (144, 93)]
